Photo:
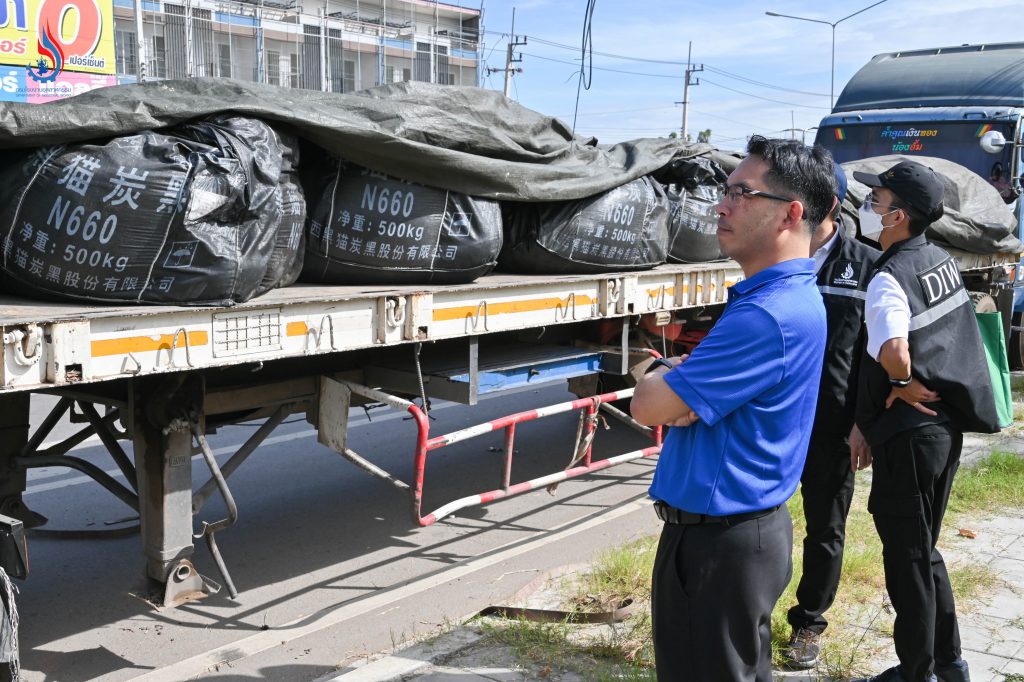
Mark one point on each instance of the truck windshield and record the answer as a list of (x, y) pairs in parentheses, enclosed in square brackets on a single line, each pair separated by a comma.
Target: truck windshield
[(955, 141)]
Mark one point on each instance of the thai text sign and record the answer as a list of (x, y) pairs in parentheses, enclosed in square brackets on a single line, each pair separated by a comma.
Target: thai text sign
[(48, 37)]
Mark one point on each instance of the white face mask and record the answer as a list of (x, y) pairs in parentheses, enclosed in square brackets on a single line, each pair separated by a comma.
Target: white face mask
[(870, 222)]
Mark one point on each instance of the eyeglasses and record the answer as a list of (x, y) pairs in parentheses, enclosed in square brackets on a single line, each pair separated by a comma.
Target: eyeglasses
[(735, 192), (870, 203)]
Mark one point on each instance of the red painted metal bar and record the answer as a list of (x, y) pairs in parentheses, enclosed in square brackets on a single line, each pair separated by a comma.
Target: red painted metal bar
[(508, 423)]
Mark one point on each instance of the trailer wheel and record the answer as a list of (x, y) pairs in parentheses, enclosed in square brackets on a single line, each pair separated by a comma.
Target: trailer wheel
[(1015, 349), (983, 302)]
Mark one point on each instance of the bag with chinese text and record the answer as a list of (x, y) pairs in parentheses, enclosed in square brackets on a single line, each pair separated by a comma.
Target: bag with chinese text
[(194, 215), (694, 187), (693, 224), (369, 228), (625, 228)]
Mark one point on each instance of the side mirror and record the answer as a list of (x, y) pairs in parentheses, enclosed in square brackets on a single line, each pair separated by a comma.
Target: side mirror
[(992, 142)]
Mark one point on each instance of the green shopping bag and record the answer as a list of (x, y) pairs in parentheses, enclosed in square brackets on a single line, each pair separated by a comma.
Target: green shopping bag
[(991, 327)]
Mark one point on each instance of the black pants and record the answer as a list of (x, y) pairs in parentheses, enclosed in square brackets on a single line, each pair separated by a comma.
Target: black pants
[(714, 588), (827, 490), (913, 474)]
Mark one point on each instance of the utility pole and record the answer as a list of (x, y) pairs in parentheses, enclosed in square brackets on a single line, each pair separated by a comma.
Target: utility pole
[(510, 58), (690, 69), (792, 129)]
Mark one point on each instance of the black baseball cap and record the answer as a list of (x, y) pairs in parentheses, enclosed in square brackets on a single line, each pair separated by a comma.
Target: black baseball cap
[(914, 183)]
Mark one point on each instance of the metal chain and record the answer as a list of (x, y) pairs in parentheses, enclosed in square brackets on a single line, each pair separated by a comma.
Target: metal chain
[(419, 377)]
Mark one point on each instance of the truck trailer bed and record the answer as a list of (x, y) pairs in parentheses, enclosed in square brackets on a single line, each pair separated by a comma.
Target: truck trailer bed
[(55, 344)]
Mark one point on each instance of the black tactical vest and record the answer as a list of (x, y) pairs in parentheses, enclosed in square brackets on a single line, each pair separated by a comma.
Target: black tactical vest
[(843, 282), (946, 353)]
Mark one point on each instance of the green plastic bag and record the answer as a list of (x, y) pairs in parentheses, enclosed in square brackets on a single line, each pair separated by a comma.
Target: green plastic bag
[(991, 327)]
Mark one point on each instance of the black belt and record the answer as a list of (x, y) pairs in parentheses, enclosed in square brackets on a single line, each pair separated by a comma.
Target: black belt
[(678, 517)]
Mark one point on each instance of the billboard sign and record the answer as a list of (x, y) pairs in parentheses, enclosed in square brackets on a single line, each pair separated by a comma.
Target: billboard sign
[(17, 86), (51, 37)]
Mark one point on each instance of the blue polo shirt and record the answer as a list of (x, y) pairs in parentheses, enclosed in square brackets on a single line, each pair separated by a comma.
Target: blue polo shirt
[(754, 383)]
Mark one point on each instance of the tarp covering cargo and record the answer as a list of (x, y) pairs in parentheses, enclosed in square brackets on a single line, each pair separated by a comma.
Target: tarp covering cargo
[(975, 219), (366, 227), (188, 216), (623, 229), (464, 139)]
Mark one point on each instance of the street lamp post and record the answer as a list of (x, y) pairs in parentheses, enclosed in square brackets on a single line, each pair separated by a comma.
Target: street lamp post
[(833, 24)]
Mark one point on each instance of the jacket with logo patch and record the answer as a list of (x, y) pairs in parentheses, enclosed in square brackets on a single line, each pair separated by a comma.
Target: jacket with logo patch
[(843, 283), (946, 353)]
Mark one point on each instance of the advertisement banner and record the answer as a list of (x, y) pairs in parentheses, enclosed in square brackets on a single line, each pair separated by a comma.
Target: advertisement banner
[(17, 86), (50, 37)]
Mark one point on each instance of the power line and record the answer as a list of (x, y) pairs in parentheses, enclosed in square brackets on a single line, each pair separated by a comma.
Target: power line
[(730, 120), (766, 99), (764, 85), (609, 54), (602, 68), (723, 72)]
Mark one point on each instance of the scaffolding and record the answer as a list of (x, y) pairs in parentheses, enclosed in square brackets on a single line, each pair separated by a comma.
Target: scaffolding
[(345, 45)]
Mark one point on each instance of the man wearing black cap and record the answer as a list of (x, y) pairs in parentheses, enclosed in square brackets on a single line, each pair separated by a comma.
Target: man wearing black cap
[(826, 485), (923, 382)]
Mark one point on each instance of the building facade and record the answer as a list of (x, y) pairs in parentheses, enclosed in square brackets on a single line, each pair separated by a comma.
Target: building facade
[(335, 46)]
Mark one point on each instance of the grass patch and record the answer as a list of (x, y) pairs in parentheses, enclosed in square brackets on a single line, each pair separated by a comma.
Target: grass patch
[(859, 618), (972, 581), (997, 482)]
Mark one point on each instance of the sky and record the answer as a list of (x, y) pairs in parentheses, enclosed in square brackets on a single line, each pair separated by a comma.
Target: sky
[(761, 74)]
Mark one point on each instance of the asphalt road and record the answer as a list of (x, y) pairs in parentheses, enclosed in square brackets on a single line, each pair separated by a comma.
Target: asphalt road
[(329, 564)]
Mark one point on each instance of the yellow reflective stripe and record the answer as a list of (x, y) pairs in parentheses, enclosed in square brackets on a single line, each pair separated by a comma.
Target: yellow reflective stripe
[(528, 306), (144, 344)]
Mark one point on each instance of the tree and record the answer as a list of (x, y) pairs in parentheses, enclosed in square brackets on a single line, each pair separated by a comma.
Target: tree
[(704, 135), (673, 135)]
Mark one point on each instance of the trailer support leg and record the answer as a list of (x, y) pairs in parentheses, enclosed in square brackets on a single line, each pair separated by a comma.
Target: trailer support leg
[(163, 453), (14, 427)]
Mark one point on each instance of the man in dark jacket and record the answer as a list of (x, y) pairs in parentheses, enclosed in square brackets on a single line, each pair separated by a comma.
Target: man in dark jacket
[(923, 383), (843, 267)]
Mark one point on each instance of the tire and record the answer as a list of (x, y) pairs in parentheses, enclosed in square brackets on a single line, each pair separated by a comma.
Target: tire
[(983, 302), (1015, 349)]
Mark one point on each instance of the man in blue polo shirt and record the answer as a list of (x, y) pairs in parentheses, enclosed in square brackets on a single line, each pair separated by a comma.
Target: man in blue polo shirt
[(742, 406)]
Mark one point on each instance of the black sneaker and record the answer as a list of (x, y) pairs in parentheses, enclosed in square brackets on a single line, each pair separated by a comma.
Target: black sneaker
[(803, 649), (953, 672)]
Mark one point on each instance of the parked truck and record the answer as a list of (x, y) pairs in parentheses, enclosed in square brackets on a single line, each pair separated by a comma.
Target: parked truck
[(964, 104), (160, 378)]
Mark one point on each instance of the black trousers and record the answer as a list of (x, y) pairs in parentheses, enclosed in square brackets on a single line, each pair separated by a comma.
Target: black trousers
[(913, 474), (827, 490), (713, 591)]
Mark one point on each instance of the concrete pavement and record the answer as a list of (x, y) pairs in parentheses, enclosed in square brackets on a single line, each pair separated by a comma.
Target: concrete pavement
[(992, 630)]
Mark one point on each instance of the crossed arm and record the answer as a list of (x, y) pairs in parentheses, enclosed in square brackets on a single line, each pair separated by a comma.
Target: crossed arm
[(655, 403)]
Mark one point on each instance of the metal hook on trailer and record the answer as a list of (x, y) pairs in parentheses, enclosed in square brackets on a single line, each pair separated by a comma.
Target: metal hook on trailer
[(174, 345), (25, 344), (131, 370), (394, 312), (614, 290), (657, 301), (563, 313), (475, 319), (318, 333)]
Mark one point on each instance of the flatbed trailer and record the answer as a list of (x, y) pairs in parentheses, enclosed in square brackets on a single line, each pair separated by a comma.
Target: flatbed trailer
[(162, 377)]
